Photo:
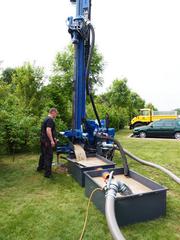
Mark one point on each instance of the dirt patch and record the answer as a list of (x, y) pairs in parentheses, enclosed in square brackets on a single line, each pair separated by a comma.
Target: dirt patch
[(60, 169)]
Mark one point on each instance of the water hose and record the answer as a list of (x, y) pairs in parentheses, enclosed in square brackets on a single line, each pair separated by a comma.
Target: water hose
[(87, 211), (169, 173)]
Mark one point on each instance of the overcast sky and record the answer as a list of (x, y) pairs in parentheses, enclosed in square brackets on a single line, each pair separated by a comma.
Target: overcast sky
[(139, 40)]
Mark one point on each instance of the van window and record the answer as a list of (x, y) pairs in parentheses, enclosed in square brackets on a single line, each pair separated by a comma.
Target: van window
[(158, 124), (169, 123), (178, 122)]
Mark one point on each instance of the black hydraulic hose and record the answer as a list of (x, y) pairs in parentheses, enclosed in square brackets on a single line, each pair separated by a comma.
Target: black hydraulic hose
[(87, 72), (120, 148), (169, 173), (94, 109), (90, 57)]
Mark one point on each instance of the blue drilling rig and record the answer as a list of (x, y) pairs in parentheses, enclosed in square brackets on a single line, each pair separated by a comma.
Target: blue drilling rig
[(85, 132)]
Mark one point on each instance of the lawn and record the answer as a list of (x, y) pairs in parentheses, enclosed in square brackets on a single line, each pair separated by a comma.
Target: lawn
[(32, 207)]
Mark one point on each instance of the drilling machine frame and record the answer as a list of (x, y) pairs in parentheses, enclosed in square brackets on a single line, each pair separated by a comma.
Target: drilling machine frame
[(85, 131)]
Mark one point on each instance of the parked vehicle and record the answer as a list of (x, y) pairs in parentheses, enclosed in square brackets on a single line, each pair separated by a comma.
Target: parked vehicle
[(147, 116), (169, 128)]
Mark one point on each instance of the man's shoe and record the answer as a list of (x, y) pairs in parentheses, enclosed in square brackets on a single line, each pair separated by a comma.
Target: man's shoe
[(48, 176), (39, 169)]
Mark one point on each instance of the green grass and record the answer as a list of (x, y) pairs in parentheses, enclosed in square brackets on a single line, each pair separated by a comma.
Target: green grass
[(32, 207)]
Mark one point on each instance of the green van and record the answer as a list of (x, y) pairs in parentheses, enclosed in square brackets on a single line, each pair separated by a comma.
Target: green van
[(166, 128)]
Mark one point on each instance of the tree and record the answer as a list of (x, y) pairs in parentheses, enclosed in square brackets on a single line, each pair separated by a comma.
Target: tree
[(27, 82), (178, 110), (20, 107), (63, 69), (136, 103), (7, 75), (119, 98), (60, 88), (151, 106), (17, 128), (96, 69), (118, 116), (119, 93)]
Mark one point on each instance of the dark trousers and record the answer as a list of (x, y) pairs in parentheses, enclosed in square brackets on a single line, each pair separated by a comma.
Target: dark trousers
[(46, 157)]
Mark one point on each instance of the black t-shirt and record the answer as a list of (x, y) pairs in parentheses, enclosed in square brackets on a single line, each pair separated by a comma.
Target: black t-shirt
[(48, 122)]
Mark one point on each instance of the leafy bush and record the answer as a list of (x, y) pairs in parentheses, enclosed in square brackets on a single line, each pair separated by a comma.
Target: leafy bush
[(118, 116)]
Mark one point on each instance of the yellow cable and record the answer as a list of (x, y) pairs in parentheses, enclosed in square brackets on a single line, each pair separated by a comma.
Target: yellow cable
[(86, 216)]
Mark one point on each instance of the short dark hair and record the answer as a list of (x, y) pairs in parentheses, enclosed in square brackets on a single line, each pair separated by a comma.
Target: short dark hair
[(53, 110)]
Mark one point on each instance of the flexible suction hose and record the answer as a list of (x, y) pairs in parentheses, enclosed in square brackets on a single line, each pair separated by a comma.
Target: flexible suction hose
[(169, 173), (120, 148), (125, 152), (111, 219)]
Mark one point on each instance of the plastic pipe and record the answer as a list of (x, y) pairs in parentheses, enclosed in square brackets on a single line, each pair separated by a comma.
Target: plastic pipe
[(169, 173)]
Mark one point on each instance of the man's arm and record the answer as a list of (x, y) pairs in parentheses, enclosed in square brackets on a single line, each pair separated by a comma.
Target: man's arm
[(49, 134)]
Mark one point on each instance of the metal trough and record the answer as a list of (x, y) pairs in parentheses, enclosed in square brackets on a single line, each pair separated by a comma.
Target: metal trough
[(92, 162), (147, 202)]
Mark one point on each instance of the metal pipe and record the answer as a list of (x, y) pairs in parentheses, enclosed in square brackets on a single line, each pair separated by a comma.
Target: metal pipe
[(110, 216), (169, 173)]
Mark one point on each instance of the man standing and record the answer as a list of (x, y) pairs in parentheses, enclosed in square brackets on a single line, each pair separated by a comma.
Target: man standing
[(48, 141)]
